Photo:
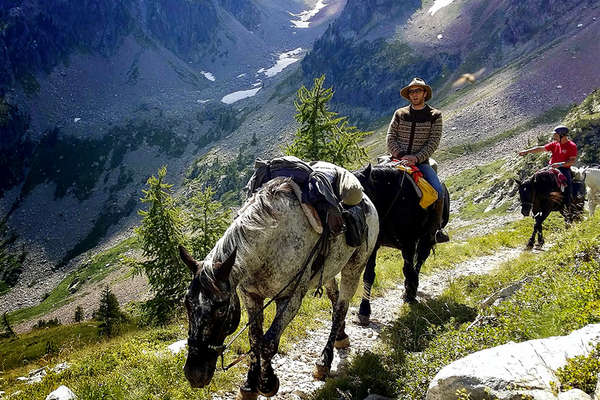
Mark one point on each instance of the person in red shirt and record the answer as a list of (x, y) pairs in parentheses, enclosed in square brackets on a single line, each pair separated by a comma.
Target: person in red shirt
[(564, 155)]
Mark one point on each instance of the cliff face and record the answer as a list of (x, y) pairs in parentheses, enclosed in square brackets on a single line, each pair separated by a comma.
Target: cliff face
[(367, 70), (37, 35), (184, 27)]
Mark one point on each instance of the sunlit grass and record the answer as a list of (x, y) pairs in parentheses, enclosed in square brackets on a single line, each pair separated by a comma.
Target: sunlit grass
[(560, 293)]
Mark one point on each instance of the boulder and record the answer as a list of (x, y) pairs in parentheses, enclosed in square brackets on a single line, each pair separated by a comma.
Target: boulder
[(574, 394), (513, 370), (62, 393), (177, 346)]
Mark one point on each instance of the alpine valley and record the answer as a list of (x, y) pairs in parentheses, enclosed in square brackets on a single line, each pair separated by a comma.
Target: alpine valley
[(96, 95)]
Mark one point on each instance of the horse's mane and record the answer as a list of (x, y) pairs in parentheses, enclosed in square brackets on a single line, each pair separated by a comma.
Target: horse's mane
[(393, 175), (257, 217)]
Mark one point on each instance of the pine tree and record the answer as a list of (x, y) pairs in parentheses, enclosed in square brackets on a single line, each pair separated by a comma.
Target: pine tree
[(208, 221), (323, 135), (8, 331), (160, 234), (78, 314), (109, 313)]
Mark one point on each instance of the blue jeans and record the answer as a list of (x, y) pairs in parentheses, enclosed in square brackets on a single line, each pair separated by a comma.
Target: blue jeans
[(431, 177)]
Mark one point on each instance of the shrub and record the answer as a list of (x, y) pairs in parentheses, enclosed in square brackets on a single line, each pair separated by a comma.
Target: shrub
[(581, 372), (79, 316), (109, 314)]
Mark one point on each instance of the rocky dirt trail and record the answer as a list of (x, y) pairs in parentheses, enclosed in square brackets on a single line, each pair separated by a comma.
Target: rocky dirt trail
[(294, 369)]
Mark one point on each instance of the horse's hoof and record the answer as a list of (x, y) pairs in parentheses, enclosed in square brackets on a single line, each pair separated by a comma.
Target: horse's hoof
[(529, 246), (343, 343), (245, 395), (410, 299), (272, 391), (320, 372), (364, 320)]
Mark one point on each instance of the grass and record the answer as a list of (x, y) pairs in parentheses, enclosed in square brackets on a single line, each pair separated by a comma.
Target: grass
[(561, 294)]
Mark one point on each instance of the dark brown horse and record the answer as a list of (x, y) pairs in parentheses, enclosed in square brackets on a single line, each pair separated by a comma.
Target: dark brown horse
[(540, 194), (403, 225)]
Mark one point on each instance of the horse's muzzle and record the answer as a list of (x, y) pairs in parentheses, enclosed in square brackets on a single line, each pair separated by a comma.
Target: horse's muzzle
[(525, 211), (199, 372)]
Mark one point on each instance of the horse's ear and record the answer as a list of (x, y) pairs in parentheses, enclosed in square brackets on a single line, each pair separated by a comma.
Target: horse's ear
[(367, 172), (188, 260), (223, 270)]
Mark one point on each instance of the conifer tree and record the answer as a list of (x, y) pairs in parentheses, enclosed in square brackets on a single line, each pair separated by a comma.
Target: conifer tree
[(8, 330), (160, 234), (323, 135), (78, 314), (208, 221), (109, 313)]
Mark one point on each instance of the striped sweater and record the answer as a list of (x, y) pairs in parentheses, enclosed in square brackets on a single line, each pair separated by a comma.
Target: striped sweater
[(416, 132)]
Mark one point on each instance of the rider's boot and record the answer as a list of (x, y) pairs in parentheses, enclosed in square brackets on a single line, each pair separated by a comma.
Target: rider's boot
[(438, 215)]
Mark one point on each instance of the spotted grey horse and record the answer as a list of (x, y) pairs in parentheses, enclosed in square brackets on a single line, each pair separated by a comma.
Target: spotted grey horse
[(262, 251)]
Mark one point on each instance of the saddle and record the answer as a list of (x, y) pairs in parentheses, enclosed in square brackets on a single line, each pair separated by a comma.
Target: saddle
[(559, 178), (317, 196), (425, 192)]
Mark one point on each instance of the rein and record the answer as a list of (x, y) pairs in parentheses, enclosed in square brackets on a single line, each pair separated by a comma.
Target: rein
[(222, 348)]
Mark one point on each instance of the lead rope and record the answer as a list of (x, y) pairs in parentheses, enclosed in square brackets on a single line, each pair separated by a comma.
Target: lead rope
[(296, 278)]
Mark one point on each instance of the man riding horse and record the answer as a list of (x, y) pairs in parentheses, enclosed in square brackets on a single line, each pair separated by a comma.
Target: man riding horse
[(413, 136), (564, 155)]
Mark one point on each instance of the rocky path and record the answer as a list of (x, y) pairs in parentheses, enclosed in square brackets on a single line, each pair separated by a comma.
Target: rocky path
[(294, 369)]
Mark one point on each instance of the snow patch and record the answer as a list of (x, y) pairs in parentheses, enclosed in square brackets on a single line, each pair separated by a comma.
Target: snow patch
[(240, 75), (284, 60), (236, 96), (439, 4), (304, 17), (76, 119), (199, 101), (208, 75)]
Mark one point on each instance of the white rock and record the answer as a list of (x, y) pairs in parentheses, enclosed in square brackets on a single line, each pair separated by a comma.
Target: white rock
[(62, 393), (574, 394), (597, 393), (527, 367), (440, 36), (178, 346), (58, 368), (579, 25)]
